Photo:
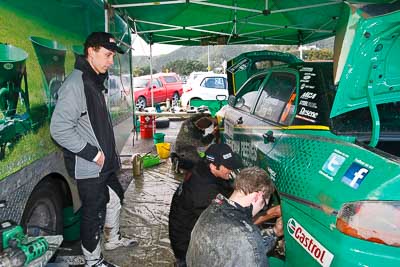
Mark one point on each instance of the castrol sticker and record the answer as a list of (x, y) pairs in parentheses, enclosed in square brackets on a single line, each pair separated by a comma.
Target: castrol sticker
[(323, 256)]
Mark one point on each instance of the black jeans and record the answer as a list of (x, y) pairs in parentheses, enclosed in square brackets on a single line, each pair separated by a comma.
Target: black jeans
[(94, 196)]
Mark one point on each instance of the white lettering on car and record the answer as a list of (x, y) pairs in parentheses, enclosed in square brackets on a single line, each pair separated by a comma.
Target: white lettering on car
[(323, 256), (307, 69), (308, 95), (308, 113)]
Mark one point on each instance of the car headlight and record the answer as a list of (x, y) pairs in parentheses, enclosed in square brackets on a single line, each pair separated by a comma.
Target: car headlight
[(374, 221)]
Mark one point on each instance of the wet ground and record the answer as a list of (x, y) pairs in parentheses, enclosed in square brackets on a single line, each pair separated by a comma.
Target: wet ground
[(145, 218), (145, 211)]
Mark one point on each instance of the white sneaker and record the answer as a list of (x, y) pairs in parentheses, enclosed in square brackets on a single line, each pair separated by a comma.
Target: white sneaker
[(122, 242), (104, 263)]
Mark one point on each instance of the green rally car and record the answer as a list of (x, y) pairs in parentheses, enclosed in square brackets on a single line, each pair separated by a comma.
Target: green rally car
[(329, 136)]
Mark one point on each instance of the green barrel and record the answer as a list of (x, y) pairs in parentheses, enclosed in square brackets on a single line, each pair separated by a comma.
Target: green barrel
[(51, 56), (12, 70)]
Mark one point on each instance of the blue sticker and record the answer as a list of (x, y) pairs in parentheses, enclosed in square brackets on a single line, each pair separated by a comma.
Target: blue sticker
[(354, 175), (333, 164)]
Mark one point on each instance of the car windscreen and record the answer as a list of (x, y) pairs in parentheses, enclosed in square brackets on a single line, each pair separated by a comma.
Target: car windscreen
[(170, 79), (140, 83)]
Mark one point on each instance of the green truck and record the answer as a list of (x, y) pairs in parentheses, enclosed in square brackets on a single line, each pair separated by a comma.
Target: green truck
[(39, 42)]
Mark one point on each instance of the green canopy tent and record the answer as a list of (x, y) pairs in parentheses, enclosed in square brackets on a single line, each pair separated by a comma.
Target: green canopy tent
[(200, 22)]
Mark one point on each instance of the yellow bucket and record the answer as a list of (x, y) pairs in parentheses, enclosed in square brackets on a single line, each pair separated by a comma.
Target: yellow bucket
[(163, 150)]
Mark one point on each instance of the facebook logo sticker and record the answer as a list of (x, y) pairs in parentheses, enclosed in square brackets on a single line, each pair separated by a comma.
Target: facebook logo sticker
[(333, 164), (354, 175)]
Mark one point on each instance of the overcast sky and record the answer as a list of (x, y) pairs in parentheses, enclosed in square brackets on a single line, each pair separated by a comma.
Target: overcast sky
[(143, 49)]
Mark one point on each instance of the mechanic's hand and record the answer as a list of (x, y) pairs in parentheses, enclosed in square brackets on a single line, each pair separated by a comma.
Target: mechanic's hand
[(268, 215), (278, 227), (215, 130), (275, 211), (101, 159)]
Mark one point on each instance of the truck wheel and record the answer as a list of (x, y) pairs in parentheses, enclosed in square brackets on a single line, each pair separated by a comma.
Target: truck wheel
[(175, 99), (141, 102), (43, 214)]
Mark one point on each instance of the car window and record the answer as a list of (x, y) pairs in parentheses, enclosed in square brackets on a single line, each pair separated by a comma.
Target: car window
[(266, 64), (170, 79), (157, 83), (214, 82), (275, 96), (140, 83), (247, 96)]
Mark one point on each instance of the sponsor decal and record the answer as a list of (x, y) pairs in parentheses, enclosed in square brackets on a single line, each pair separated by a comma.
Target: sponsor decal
[(309, 74), (227, 156), (303, 85), (308, 69), (308, 113), (319, 253), (305, 119), (272, 173), (333, 164), (8, 66), (308, 95), (308, 104), (354, 175)]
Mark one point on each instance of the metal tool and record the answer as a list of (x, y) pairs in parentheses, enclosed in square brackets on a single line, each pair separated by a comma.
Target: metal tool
[(16, 249)]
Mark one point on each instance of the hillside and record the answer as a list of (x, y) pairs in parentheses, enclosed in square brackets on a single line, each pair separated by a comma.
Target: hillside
[(218, 53)]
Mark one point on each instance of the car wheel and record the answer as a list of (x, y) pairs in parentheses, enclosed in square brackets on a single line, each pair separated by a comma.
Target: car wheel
[(43, 214), (175, 99), (162, 123), (141, 102)]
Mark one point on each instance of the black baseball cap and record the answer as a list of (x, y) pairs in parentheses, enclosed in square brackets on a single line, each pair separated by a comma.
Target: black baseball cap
[(103, 39), (222, 154)]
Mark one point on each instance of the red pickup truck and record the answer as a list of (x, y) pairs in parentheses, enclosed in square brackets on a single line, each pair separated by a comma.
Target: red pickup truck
[(164, 86)]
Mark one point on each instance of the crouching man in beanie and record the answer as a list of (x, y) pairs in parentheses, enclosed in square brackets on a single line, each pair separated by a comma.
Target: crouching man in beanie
[(191, 137), (82, 126), (225, 234), (209, 177)]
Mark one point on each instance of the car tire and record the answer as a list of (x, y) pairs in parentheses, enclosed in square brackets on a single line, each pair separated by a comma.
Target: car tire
[(162, 123), (141, 102), (175, 99), (43, 214)]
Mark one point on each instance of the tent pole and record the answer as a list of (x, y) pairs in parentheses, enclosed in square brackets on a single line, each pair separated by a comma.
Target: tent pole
[(208, 58), (105, 16), (151, 82)]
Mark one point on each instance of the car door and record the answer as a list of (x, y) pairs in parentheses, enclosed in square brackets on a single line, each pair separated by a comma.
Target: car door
[(240, 124), (274, 111), (158, 90)]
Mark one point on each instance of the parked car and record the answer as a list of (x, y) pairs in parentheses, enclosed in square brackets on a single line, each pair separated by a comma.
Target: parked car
[(330, 139), (163, 85), (206, 87)]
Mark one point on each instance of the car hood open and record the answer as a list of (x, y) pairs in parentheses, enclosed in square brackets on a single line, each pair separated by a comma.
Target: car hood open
[(367, 70)]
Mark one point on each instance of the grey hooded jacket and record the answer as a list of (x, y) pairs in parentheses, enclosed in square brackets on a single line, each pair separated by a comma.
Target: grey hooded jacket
[(84, 129)]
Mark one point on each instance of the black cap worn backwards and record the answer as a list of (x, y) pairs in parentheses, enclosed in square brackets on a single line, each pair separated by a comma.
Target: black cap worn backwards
[(222, 154), (103, 39)]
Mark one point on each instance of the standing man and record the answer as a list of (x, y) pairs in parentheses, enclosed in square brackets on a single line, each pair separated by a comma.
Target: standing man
[(208, 178), (225, 234), (82, 126)]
